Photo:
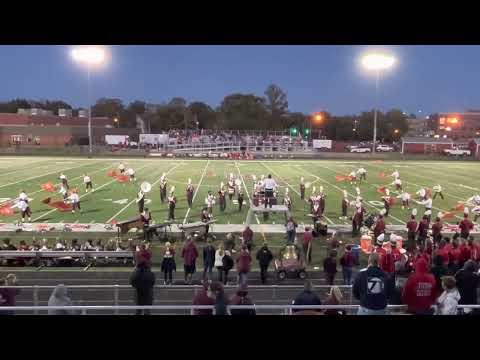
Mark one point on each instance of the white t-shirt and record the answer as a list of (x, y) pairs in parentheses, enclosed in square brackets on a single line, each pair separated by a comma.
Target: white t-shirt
[(270, 184), (86, 179), (75, 198)]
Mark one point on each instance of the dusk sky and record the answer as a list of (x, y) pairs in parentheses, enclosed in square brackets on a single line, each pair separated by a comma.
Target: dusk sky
[(427, 78)]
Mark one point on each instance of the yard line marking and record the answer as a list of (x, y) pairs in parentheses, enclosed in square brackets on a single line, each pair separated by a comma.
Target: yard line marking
[(23, 169), (43, 175), (196, 190), (366, 203), (291, 187), (131, 202)]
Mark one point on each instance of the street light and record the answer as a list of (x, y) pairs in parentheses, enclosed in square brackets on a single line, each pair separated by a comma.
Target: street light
[(116, 122), (377, 62), (91, 56)]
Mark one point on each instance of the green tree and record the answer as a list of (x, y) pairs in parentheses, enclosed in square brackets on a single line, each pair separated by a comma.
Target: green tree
[(106, 107), (12, 106), (277, 106), (203, 114), (239, 111)]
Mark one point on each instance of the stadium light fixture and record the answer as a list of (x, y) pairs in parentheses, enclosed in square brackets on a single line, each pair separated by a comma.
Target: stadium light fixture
[(90, 56), (448, 128), (377, 62), (396, 131)]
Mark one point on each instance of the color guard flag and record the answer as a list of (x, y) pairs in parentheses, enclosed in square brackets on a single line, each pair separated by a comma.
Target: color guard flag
[(459, 207), (339, 178), (60, 206), (48, 187), (114, 222), (377, 161), (6, 211), (122, 178), (112, 173), (447, 215), (381, 190), (381, 175)]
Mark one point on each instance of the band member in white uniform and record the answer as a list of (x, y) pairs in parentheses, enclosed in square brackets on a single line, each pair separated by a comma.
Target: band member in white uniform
[(87, 180), (23, 196), (131, 173), (405, 200), (75, 199), (353, 177), (437, 190), (64, 180), (287, 201), (121, 168), (395, 174), (172, 201), (398, 184), (210, 201), (362, 174), (428, 207), (24, 208), (422, 193), (163, 188), (231, 187), (140, 201), (270, 185), (63, 191)]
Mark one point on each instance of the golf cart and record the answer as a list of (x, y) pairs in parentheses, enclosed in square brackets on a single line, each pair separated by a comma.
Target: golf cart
[(290, 263)]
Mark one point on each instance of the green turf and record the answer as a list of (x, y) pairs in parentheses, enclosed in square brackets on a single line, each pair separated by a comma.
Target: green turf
[(457, 178)]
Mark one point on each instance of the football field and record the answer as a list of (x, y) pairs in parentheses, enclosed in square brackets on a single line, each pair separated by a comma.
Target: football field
[(113, 200)]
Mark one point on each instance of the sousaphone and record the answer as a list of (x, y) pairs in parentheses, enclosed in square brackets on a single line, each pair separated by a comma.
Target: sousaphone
[(146, 187)]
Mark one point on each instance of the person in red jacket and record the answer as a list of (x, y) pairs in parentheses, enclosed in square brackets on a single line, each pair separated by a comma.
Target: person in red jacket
[(421, 254), (474, 250), (379, 227), (454, 256), (419, 293), (411, 234), (465, 225), (437, 230), (244, 262), (442, 251), (189, 255), (347, 261), (422, 230), (202, 298), (465, 251)]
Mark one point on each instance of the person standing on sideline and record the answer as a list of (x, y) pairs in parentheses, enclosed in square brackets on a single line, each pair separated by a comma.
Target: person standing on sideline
[(247, 237), (201, 298), (168, 264), (373, 287), (219, 254), (208, 259), (227, 265), (244, 262), (330, 267), (467, 283), (347, 261), (264, 258), (189, 255), (291, 226), (217, 292), (8, 295), (143, 280), (447, 303), (241, 298), (307, 244)]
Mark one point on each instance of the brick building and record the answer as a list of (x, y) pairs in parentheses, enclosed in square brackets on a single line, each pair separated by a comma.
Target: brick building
[(459, 126), (49, 130), (425, 145)]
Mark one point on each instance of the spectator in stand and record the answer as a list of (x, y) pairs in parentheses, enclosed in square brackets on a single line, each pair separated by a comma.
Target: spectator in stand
[(227, 265), (291, 226), (244, 261), (218, 293), (208, 259), (241, 298), (442, 251), (23, 247), (264, 258), (247, 237), (189, 255), (144, 255), (306, 297), (447, 302), (419, 293), (219, 254), (202, 298), (465, 225), (373, 287), (439, 270), (60, 297), (307, 244), (8, 295), (7, 246), (330, 267), (465, 251), (143, 280), (75, 245), (335, 297), (347, 261), (467, 283), (168, 264), (475, 250), (437, 230)]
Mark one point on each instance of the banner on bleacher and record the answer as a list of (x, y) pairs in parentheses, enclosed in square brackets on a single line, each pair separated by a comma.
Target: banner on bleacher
[(117, 139), (322, 144), (154, 139)]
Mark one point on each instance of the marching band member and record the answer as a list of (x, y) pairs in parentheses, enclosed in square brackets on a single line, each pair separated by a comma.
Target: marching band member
[(359, 195), (190, 191), (240, 198), (321, 199), (131, 173), (437, 229), (311, 199), (64, 193), (379, 227), (222, 201), (353, 177), (23, 196), (345, 204), (465, 225), (210, 201), (24, 209), (287, 201), (428, 207), (121, 168), (75, 199), (476, 211), (146, 216), (205, 217), (64, 181), (357, 219), (172, 201), (411, 231), (141, 201), (395, 174), (163, 188), (437, 189), (422, 193), (475, 200), (362, 173), (87, 180), (316, 212), (398, 184), (302, 188), (231, 187), (270, 186), (386, 202), (405, 200)]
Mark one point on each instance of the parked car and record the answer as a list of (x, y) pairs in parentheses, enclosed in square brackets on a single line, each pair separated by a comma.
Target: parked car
[(457, 152), (360, 150), (385, 148)]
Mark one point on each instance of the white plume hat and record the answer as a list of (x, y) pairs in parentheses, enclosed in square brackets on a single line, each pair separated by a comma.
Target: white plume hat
[(414, 212), (172, 189), (189, 181)]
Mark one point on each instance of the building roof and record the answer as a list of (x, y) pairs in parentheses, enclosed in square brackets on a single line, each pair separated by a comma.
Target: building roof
[(50, 120), (426, 140)]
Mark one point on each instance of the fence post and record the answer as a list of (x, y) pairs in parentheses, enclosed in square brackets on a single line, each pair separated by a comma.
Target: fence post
[(35, 299), (115, 297)]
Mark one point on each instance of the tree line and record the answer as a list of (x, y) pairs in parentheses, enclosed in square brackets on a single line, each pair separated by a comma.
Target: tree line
[(236, 112)]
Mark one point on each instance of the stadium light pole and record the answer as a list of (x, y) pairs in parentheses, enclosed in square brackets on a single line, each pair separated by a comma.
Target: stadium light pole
[(378, 63), (90, 56)]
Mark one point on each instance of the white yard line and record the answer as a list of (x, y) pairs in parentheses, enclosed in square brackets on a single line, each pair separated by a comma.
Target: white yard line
[(340, 189), (43, 175), (131, 202), (246, 190), (291, 187), (196, 190)]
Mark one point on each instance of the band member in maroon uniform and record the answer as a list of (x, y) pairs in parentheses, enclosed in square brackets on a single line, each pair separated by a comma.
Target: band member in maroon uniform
[(287, 201), (379, 226), (146, 217), (357, 219), (465, 225), (163, 188), (222, 201), (437, 230), (205, 217), (386, 202), (190, 191), (64, 181), (321, 200), (210, 201), (140, 201), (317, 213), (422, 230), (302, 189), (411, 231), (345, 204), (240, 198), (172, 201)]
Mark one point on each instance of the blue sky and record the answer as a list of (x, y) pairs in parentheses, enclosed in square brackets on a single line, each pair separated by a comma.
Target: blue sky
[(427, 78)]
